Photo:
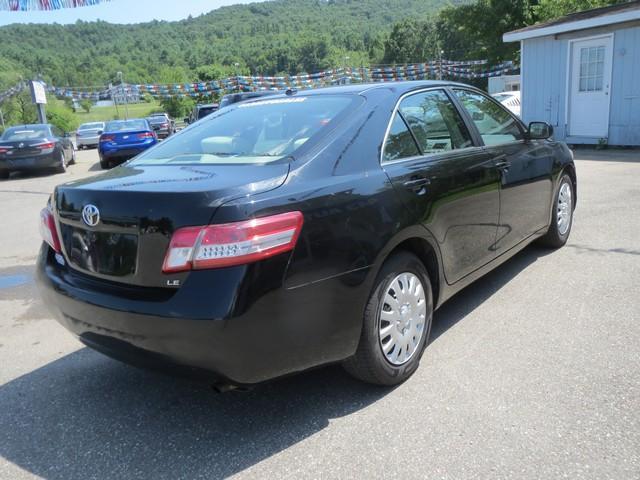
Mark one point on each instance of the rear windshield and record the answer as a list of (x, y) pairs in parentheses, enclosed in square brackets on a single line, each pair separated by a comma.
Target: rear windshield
[(91, 126), (157, 119), (25, 133), (121, 125), (255, 132)]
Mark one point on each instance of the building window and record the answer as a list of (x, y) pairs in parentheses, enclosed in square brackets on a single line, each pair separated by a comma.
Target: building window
[(591, 69)]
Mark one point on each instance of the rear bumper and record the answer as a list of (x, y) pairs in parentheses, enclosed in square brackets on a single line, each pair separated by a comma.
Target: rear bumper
[(87, 141), (162, 132), (31, 163), (238, 324)]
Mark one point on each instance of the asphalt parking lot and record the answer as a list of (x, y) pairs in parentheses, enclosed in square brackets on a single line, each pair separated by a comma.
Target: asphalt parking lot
[(532, 372)]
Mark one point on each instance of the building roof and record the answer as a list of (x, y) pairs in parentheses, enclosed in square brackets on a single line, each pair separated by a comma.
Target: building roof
[(597, 17)]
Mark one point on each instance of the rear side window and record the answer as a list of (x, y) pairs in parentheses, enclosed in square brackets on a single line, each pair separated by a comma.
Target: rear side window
[(435, 122), (400, 143), (494, 122)]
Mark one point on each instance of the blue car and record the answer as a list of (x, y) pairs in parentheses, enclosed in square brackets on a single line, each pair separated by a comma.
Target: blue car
[(124, 139)]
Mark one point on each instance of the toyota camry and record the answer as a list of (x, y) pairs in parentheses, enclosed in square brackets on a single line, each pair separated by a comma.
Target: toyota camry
[(301, 229)]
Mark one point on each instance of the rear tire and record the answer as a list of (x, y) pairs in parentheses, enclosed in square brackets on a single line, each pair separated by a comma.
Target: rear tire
[(62, 167), (73, 157), (397, 319), (562, 215), (104, 164)]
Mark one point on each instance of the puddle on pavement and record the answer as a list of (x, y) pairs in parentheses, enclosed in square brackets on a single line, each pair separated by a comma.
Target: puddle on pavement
[(10, 281)]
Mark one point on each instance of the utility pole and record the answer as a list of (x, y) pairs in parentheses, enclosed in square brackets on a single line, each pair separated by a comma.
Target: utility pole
[(124, 95), (2, 119)]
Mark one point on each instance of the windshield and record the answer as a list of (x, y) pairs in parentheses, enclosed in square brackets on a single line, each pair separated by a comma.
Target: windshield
[(501, 97), (204, 111), (122, 125), (92, 126), (253, 132), (32, 132)]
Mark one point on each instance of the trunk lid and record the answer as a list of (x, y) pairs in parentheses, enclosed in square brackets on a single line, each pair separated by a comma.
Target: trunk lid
[(139, 209), (127, 138), (25, 148)]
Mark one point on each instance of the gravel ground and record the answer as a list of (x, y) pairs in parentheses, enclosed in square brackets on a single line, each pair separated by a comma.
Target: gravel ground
[(532, 372)]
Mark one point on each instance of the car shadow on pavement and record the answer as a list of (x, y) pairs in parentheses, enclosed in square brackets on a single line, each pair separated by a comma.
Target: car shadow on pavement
[(467, 300), (86, 416)]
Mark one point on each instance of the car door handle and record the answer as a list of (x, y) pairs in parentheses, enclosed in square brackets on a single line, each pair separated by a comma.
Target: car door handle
[(417, 184), (502, 162)]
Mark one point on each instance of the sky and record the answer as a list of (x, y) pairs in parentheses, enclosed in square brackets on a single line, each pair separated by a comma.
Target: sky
[(121, 11)]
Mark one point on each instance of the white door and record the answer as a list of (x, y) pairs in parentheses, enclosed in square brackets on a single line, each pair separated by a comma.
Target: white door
[(589, 82)]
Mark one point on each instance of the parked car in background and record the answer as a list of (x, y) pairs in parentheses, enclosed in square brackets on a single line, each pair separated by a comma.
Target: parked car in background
[(88, 134), (35, 147), (231, 98), (285, 233), (124, 139), (511, 100), (162, 124), (201, 111)]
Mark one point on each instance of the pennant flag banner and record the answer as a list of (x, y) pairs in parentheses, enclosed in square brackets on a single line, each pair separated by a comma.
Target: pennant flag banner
[(12, 91), (30, 5), (466, 69)]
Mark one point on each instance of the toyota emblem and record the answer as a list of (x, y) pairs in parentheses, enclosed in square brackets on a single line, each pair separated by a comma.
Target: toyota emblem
[(91, 215)]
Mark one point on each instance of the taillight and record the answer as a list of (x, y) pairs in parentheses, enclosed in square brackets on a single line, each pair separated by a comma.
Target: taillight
[(45, 145), (107, 138), (224, 245), (48, 229), (164, 125), (5, 149), (144, 135)]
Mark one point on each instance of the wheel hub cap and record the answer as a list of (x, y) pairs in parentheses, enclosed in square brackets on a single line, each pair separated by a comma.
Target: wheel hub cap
[(402, 318), (564, 208)]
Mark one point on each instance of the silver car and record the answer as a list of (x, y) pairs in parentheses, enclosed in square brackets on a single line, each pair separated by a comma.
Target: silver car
[(88, 134)]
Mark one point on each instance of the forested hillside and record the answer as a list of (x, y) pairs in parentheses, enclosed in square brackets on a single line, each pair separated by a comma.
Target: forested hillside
[(280, 36)]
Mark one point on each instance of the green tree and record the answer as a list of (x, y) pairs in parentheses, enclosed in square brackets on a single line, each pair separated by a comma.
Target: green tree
[(412, 40), (549, 9), (177, 107), (86, 104)]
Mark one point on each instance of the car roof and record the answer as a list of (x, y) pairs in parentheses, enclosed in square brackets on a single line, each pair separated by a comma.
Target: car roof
[(401, 87)]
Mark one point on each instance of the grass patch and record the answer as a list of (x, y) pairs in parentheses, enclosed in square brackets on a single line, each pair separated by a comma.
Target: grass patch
[(103, 114)]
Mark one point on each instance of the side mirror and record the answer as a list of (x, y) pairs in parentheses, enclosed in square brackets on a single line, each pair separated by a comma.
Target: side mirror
[(539, 130)]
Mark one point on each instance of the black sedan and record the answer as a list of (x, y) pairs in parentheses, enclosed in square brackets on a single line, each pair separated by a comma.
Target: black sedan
[(35, 147), (302, 229)]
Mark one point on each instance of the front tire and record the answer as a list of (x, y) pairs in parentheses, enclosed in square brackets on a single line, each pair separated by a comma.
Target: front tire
[(4, 174), (562, 215), (397, 323)]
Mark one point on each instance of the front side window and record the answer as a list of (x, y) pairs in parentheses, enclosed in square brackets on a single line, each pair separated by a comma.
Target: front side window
[(400, 143), (494, 122), (435, 122), (253, 132)]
